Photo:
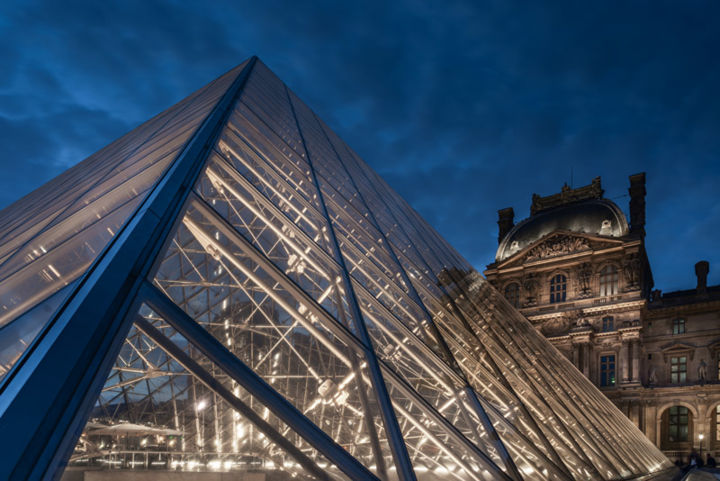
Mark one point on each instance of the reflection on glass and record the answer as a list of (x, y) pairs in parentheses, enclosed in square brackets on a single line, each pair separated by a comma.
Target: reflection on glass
[(308, 270)]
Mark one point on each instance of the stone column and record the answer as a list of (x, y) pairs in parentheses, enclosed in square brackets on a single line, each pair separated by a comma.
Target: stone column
[(636, 362), (576, 356), (582, 344), (586, 359), (624, 362), (634, 413)]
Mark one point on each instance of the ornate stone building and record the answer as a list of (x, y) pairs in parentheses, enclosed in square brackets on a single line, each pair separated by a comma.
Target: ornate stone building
[(580, 273)]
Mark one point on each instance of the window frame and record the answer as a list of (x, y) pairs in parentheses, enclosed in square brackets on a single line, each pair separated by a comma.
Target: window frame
[(679, 375), (558, 288), (608, 324), (679, 326), (607, 371), (609, 279), (677, 416)]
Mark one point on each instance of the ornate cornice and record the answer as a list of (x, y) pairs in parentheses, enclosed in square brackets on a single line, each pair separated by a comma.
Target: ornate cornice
[(567, 195)]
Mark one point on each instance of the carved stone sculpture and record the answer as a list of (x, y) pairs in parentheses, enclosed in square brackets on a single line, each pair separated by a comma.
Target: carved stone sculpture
[(530, 285), (631, 271), (652, 376), (584, 275), (702, 371), (558, 246)]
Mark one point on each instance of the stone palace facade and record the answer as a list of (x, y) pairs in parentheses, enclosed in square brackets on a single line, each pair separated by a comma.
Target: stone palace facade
[(578, 270)]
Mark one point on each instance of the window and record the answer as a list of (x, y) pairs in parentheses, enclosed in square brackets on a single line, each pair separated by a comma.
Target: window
[(678, 369), (558, 288), (607, 370), (678, 326), (678, 424), (608, 324), (512, 294), (608, 281), (717, 422)]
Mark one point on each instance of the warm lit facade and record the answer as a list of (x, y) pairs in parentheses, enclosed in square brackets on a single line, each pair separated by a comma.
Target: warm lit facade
[(579, 272), (230, 292)]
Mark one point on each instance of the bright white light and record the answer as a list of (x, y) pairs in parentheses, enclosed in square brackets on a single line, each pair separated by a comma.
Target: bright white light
[(201, 405), (701, 437)]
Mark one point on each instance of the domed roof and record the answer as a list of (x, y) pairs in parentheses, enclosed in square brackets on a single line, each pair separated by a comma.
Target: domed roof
[(594, 216)]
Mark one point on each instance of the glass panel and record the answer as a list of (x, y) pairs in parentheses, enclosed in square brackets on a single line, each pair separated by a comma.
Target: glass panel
[(60, 229), (250, 260), (16, 336), (275, 328), (156, 416), (274, 235)]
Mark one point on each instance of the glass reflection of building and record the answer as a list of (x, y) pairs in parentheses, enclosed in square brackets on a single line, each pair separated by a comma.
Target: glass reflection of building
[(230, 288)]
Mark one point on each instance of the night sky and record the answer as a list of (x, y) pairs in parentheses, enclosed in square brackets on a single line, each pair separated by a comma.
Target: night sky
[(463, 107)]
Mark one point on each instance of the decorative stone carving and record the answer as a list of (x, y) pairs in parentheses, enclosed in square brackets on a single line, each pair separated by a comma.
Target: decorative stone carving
[(530, 285), (578, 321), (566, 196), (652, 376), (556, 326), (656, 295), (584, 275), (702, 371), (631, 271), (558, 246)]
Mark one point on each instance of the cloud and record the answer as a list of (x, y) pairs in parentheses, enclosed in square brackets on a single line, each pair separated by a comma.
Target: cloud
[(465, 107)]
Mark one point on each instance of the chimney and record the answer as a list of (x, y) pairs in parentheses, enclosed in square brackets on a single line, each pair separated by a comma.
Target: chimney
[(506, 221), (702, 269), (637, 204)]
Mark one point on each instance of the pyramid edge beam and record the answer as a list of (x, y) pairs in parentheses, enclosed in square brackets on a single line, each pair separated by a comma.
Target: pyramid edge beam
[(479, 410), (189, 364), (78, 346), (395, 439), (215, 351)]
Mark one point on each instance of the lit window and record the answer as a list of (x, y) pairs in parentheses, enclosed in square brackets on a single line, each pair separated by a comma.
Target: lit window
[(678, 425), (717, 422), (608, 281), (512, 294), (608, 324), (679, 326), (558, 288), (678, 369), (607, 370)]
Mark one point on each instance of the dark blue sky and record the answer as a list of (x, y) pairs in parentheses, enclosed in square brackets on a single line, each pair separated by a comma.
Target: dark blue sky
[(464, 107)]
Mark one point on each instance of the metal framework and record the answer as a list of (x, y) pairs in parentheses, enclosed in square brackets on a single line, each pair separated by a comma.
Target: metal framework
[(229, 287)]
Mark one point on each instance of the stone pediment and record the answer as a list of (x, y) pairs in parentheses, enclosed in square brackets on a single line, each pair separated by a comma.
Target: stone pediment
[(558, 244), (677, 349)]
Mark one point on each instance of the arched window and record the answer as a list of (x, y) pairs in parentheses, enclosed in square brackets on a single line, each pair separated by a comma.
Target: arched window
[(558, 288), (676, 430), (608, 280), (678, 420), (512, 293), (717, 422)]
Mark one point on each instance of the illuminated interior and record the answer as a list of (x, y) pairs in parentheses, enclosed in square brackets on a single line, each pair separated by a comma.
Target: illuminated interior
[(300, 321)]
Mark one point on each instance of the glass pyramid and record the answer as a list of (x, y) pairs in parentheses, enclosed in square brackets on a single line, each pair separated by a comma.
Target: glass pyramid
[(230, 289)]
